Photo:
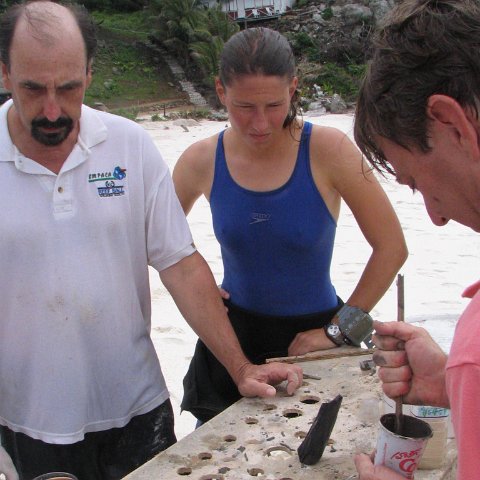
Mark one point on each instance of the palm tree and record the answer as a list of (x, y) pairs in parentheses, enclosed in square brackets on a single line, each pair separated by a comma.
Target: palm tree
[(176, 23), (207, 49)]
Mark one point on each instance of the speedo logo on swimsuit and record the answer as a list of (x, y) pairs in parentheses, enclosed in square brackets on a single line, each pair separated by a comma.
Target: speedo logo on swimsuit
[(259, 217), (109, 186)]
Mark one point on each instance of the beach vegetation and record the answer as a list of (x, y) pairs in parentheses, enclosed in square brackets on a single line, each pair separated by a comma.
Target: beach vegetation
[(193, 34), (128, 73), (342, 79)]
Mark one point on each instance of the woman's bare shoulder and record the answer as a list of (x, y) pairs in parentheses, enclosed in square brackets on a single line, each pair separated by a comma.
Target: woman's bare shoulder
[(200, 152), (332, 146)]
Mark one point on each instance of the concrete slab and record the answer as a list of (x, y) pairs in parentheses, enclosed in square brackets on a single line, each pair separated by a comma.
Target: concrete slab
[(257, 438)]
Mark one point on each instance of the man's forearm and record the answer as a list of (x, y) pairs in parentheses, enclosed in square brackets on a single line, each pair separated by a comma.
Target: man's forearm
[(193, 288)]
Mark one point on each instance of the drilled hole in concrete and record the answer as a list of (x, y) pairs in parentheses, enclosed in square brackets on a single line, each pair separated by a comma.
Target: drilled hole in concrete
[(269, 407), (251, 421), (205, 456), (223, 470), (305, 384), (300, 434), (184, 471), (292, 413), (310, 399), (255, 472), (278, 452), (212, 477), (229, 438)]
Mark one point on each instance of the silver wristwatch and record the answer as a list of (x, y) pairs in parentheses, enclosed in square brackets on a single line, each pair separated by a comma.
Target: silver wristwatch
[(354, 324), (334, 334)]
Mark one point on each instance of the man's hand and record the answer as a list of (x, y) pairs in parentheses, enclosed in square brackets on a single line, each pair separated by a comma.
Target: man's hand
[(6, 466), (259, 380), (368, 471), (192, 286), (310, 341), (411, 364)]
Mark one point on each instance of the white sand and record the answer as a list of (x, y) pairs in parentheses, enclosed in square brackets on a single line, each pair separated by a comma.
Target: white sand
[(442, 262)]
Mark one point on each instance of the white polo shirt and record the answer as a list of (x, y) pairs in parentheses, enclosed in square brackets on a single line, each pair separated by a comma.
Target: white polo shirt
[(75, 348)]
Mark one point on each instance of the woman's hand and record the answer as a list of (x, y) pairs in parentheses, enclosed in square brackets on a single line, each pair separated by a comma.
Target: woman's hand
[(310, 341), (224, 294)]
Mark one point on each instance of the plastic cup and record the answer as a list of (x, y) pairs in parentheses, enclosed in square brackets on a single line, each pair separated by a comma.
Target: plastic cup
[(402, 452), (56, 476)]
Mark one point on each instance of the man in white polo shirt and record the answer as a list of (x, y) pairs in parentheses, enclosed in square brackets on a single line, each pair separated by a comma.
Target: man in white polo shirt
[(87, 203)]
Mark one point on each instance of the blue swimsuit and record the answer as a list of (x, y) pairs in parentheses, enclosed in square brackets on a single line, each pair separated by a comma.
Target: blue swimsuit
[(276, 249), (276, 246)]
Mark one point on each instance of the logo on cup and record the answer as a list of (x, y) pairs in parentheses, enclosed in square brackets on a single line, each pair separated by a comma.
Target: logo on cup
[(400, 455), (408, 460)]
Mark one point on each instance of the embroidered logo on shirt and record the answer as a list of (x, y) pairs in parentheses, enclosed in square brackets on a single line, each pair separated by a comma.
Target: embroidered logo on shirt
[(259, 217), (109, 188)]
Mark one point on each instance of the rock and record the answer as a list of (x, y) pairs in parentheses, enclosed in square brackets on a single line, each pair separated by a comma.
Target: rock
[(337, 104), (317, 107), (354, 14), (317, 18), (186, 122), (109, 84), (100, 106), (218, 115), (380, 8)]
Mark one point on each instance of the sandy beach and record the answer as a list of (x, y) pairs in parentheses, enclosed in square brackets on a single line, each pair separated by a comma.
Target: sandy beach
[(442, 261)]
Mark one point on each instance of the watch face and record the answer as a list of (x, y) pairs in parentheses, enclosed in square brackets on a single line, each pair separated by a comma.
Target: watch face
[(333, 330)]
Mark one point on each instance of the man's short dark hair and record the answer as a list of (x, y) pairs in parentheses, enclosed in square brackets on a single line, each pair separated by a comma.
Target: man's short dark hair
[(10, 17)]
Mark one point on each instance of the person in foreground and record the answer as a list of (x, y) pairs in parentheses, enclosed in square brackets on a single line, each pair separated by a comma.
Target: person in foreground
[(417, 118), (275, 185), (87, 205)]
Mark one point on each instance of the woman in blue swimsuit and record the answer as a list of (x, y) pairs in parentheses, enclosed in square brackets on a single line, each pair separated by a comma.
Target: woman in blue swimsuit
[(275, 184)]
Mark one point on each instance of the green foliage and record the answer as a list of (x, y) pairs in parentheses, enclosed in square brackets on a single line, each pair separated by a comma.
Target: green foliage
[(130, 113), (124, 73), (300, 41), (175, 22), (206, 51), (218, 24), (198, 113), (133, 26), (303, 45), (93, 5), (301, 3), (114, 5), (345, 81), (98, 5), (189, 31), (327, 13), (207, 55)]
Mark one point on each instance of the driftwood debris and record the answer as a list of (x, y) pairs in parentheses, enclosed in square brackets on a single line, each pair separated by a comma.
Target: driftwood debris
[(324, 354)]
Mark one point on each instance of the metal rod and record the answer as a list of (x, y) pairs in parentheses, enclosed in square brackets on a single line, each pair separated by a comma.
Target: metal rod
[(400, 318)]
